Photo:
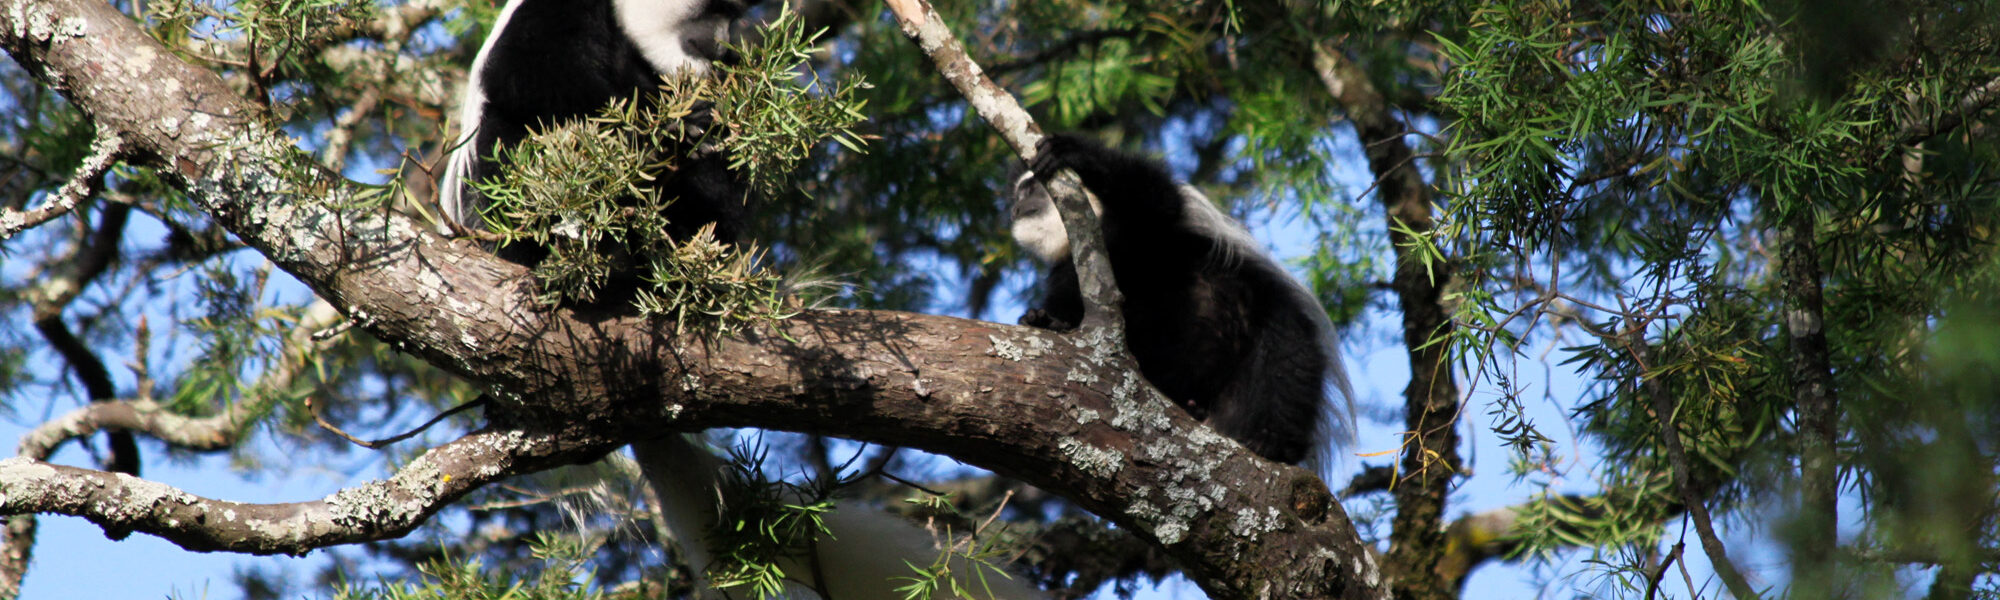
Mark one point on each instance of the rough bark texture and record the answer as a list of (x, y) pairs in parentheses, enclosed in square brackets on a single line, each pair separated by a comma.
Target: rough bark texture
[(1067, 413), (1430, 402)]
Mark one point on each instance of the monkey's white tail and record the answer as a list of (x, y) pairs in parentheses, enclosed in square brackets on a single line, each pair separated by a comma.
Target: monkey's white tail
[(863, 558)]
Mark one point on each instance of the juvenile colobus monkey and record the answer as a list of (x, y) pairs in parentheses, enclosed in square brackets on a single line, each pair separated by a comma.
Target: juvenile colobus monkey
[(550, 61), (1214, 322)]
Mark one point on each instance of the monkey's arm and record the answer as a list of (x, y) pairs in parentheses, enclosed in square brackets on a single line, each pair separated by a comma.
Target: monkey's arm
[(1062, 305)]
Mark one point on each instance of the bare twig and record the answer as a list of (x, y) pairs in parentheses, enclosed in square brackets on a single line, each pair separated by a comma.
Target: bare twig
[(378, 444), (1653, 579), (87, 179)]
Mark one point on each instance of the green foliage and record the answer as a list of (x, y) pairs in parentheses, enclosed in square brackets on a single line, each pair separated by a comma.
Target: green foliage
[(452, 579), (1631, 173), (981, 555), (765, 521), (773, 121), (585, 190), (277, 33)]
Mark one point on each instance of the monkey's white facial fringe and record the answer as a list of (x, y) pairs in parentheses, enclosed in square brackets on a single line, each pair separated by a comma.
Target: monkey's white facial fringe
[(662, 31), (1037, 224)]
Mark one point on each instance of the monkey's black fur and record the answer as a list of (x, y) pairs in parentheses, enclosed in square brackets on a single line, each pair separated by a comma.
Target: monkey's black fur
[(1215, 324)]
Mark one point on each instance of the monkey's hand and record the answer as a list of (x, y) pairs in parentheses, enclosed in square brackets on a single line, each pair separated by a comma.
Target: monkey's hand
[(1067, 150)]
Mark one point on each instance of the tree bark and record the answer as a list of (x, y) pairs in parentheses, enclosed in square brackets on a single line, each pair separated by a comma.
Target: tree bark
[(1813, 550)]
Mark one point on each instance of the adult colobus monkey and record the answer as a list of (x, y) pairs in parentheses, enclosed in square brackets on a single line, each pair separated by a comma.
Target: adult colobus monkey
[(549, 61), (1214, 322)]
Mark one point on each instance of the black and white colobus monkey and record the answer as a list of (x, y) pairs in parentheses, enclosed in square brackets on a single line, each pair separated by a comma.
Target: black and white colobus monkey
[(1213, 321), (549, 61)]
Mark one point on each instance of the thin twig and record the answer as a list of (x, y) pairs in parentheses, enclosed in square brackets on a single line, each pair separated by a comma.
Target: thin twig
[(1974, 101), (378, 444), (1664, 410), (919, 487), (1653, 580)]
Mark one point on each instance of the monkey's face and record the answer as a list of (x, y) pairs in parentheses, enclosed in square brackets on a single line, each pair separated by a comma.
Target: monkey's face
[(681, 36), (1036, 224)]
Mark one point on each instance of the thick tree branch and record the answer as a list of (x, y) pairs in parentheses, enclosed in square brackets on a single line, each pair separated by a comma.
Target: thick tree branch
[(1430, 455), (1067, 413)]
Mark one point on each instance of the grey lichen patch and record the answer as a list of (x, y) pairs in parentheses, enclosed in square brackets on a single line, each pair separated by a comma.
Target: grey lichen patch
[(1186, 502), (1005, 348), (19, 472), (1083, 415), (1079, 373), (363, 506), (1099, 344), (37, 21), (1171, 531), (1249, 524), (1028, 347), (1134, 411), (1099, 462), (1366, 568), (1205, 439), (1168, 527)]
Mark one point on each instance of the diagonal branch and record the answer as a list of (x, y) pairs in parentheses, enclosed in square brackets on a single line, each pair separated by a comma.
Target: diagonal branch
[(1981, 97), (1664, 410)]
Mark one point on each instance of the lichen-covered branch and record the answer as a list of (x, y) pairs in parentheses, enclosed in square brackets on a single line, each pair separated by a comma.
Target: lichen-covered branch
[(376, 510)]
